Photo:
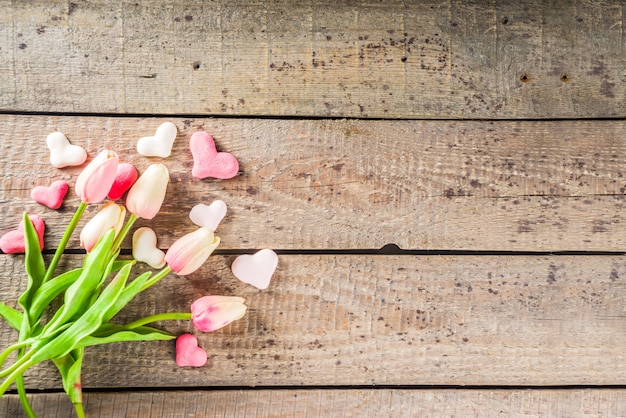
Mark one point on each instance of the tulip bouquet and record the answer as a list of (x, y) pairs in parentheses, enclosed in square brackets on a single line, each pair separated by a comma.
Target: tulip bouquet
[(95, 292)]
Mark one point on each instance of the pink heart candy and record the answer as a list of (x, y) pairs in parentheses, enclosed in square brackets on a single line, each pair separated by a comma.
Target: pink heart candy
[(13, 242), (51, 196), (256, 269), (125, 177), (188, 353), (207, 162)]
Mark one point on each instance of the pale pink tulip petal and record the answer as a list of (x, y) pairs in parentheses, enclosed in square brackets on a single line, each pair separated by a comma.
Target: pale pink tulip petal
[(210, 313), (111, 216), (146, 196), (190, 251), (95, 181)]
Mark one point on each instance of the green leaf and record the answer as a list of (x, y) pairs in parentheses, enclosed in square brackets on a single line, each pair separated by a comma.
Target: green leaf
[(12, 316), (35, 267), (118, 334), (85, 325), (70, 366), (49, 290), (81, 293), (127, 295)]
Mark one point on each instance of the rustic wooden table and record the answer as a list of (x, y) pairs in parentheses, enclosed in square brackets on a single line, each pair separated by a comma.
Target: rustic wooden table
[(487, 140)]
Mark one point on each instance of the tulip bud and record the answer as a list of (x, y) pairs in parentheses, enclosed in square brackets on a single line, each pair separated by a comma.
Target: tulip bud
[(146, 196), (111, 216), (210, 313), (190, 251), (95, 181)]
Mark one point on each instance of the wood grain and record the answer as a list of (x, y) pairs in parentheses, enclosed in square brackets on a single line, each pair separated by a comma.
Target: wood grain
[(346, 184), (366, 403), (397, 59), (380, 320)]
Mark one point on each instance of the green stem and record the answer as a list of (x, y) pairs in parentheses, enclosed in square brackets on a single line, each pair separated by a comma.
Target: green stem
[(170, 316), (80, 412), (21, 390), (66, 237), (16, 365), (12, 348), (14, 375), (156, 278), (122, 234)]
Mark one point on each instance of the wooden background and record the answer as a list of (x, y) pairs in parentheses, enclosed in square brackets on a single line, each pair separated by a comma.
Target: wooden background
[(485, 140)]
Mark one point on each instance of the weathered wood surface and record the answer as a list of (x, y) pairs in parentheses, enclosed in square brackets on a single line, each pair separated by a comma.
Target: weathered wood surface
[(392, 59), (358, 403), (346, 184), (380, 320)]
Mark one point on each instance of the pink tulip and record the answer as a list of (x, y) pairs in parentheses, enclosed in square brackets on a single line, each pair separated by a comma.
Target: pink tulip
[(146, 196), (95, 181), (190, 251), (210, 313), (111, 216)]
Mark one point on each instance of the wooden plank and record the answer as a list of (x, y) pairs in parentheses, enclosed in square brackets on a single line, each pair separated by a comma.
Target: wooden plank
[(596, 403), (428, 59), (342, 184), (380, 320)]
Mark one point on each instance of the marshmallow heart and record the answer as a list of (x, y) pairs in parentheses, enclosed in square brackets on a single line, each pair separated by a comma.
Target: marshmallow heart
[(208, 216), (145, 249), (256, 269), (207, 162), (124, 178), (159, 145), (62, 153), (51, 196), (188, 353), (14, 242)]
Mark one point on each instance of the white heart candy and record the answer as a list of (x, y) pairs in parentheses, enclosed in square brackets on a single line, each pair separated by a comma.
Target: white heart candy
[(208, 216), (159, 145), (62, 153), (256, 269), (145, 249)]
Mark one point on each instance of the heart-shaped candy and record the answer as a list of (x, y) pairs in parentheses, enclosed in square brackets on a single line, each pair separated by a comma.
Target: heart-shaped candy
[(145, 249), (51, 196), (13, 242), (256, 269), (208, 216), (62, 153), (159, 145), (207, 162), (188, 353), (124, 178)]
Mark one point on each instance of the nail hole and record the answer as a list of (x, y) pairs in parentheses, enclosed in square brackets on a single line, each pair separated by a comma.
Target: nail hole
[(524, 78), (196, 66), (564, 77), (505, 20)]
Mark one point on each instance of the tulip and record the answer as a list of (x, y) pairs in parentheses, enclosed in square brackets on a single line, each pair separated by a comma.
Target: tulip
[(190, 251), (95, 181), (210, 313), (146, 196), (111, 216)]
